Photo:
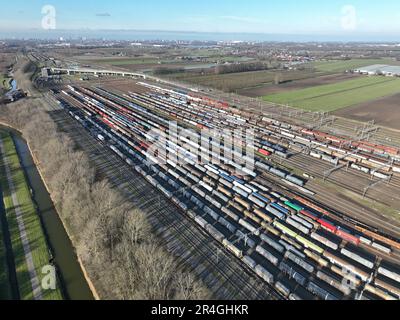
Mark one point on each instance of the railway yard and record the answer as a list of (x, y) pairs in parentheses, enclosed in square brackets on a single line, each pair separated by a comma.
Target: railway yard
[(279, 231)]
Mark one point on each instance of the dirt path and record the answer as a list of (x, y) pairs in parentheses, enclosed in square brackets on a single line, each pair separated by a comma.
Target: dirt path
[(37, 291)]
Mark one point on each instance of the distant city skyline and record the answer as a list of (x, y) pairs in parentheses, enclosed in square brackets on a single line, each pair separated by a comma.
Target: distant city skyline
[(349, 20)]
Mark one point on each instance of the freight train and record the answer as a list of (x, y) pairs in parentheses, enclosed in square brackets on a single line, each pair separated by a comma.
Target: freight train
[(290, 237)]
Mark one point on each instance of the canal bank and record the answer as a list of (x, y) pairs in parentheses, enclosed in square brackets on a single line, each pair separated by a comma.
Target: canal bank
[(72, 275)]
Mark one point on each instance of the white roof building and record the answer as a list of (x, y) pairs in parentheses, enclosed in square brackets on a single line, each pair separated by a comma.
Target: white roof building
[(374, 69), (391, 71), (379, 69)]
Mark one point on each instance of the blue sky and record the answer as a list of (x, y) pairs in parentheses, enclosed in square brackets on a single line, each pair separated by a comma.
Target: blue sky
[(253, 16)]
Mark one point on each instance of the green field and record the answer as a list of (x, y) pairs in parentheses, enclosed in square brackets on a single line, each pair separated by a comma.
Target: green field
[(35, 234), (242, 80), (343, 65), (339, 95), (4, 82), (5, 289)]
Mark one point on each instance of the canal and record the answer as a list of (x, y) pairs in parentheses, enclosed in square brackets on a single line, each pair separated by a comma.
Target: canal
[(71, 278)]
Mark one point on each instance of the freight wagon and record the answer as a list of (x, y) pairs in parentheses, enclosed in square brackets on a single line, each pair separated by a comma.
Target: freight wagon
[(333, 280), (328, 225), (264, 274), (336, 259), (285, 229), (254, 197), (275, 212), (299, 261), (309, 244), (346, 235), (327, 239), (297, 225), (267, 255), (246, 239), (294, 272), (390, 271), (249, 262), (272, 243), (233, 248), (318, 289), (379, 292)]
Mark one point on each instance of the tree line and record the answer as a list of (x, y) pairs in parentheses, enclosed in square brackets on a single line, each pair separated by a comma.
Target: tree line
[(113, 239)]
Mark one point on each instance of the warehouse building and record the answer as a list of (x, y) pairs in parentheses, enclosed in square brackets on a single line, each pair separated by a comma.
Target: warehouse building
[(393, 71), (380, 69)]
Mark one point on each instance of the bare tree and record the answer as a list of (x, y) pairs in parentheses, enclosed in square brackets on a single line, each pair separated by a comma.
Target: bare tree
[(113, 239)]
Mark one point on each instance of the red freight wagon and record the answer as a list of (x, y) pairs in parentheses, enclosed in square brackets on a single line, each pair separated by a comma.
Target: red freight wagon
[(348, 237), (108, 122), (309, 214), (334, 139), (308, 132), (145, 146), (264, 152), (327, 225)]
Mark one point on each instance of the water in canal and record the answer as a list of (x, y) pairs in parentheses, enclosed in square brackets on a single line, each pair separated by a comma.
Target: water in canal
[(72, 279), (13, 85)]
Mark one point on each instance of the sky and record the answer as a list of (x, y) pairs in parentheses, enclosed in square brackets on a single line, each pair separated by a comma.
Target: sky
[(234, 16)]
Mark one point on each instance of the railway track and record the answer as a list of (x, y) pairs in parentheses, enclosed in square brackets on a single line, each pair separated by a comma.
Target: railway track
[(329, 202), (317, 168), (174, 246), (354, 188), (345, 126)]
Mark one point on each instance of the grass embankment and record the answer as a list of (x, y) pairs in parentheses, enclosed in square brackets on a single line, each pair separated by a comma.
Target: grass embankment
[(4, 82), (339, 95), (35, 234), (5, 285)]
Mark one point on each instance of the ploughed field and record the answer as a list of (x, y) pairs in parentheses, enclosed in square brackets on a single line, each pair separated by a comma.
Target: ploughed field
[(340, 95), (240, 81), (385, 111), (272, 88)]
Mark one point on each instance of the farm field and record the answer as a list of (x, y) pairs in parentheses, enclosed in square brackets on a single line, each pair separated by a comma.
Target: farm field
[(341, 66), (272, 88), (147, 64), (340, 95), (385, 111), (125, 61), (30, 219)]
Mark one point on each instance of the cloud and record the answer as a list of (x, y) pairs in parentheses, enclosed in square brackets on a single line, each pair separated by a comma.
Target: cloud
[(104, 14)]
